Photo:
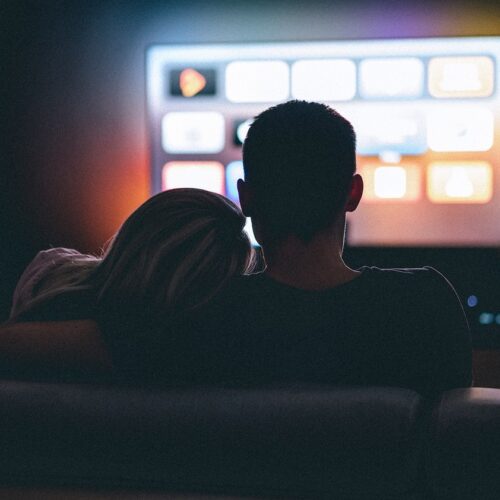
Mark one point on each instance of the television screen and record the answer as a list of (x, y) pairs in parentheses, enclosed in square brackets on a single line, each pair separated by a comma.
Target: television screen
[(426, 113)]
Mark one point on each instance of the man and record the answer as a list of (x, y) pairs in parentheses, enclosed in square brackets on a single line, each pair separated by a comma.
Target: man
[(309, 318)]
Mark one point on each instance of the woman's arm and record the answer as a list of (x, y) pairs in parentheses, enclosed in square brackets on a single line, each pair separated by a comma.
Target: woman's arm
[(59, 349)]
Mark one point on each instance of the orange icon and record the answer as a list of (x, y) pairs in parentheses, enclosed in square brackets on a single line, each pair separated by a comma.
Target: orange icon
[(460, 182), (191, 82)]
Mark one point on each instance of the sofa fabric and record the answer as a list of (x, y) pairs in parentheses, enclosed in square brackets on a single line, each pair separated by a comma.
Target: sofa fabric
[(464, 455), (306, 442)]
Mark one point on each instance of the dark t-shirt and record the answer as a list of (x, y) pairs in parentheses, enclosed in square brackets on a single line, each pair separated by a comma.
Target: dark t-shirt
[(401, 328), (396, 327)]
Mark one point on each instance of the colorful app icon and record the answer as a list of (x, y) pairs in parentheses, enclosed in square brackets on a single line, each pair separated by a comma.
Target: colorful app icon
[(467, 76), (240, 131), (192, 82), (257, 81), (400, 183), (193, 132), (234, 171), (391, 78), (460, 182), (390, 131), (460, 129), (324, 80), (208, 175)]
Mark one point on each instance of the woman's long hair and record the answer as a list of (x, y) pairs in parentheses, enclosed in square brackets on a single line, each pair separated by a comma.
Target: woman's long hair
[(173, 254), (69, 273)]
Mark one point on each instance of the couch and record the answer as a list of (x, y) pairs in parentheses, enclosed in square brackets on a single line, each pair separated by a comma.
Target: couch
[(89, 441)]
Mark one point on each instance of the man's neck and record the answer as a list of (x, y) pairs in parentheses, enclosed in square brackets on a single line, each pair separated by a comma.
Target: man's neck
[(316, 265)]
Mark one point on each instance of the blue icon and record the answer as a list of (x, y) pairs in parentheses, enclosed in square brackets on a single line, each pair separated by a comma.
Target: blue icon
[(486, 318), (234, 171), (472, 301)]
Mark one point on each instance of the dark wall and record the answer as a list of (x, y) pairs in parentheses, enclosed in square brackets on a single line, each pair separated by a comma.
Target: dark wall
[(74, 147)]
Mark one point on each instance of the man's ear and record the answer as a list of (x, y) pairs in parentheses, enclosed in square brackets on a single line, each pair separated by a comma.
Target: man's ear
[(245, 196), (355, 193)]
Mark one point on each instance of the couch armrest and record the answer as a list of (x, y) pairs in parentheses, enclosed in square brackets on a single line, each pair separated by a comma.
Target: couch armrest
[(464, 446)]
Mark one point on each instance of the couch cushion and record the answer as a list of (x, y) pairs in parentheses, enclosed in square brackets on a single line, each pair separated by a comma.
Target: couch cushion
[(464, 459), (353, 442)]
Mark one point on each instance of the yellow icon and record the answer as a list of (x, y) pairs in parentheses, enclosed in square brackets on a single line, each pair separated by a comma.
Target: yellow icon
[(468, 76), (459, 185), (460, 182), (191, 82), (388, 182)]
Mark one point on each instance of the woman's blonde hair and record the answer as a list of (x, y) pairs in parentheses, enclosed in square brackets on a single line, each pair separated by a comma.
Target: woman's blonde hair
[(173, 254), (176, 251)]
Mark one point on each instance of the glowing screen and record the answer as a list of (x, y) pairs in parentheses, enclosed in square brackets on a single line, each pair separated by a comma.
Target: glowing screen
[(426, 113)]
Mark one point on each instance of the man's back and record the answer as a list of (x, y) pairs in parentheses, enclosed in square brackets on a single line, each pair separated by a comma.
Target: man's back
[(386, 327)]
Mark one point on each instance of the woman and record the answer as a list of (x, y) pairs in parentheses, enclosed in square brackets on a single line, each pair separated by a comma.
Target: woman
[(170, 257)]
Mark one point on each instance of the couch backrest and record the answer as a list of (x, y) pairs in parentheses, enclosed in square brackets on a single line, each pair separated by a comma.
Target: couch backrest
[(464, 456), (304, 442)]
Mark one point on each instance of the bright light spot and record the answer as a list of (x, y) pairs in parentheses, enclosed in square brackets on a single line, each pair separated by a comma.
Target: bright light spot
[(385, 182), (392, 78), (257, 81), (324, 80), (472, 301), (390, 182), (234, 171), (486, 318), (249, 230), (390, 157), (460, 76), (459, 185), (242, 130), (208, 175), (193, 132)]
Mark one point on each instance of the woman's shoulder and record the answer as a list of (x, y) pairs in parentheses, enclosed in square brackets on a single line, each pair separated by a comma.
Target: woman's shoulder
[(39, 269), (52, 257), (46, 260)]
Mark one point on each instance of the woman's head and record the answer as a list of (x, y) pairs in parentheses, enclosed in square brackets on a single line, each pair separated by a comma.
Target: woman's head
[(175, 252)]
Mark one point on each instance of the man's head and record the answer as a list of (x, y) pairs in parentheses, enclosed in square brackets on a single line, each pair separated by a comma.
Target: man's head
[(299, 161)]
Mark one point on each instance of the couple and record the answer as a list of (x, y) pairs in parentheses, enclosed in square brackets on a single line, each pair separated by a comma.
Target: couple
[(172, 301)]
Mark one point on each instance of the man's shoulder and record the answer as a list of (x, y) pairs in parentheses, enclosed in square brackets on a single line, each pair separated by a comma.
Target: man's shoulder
[(375, 287), (371, 277), (425, 285), (402, 273), (417, 276)]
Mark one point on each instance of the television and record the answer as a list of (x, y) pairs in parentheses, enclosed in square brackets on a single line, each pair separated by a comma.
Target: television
[(426, 113)]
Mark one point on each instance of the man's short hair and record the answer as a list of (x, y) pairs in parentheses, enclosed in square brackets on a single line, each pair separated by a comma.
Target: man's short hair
[(299, 158)]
